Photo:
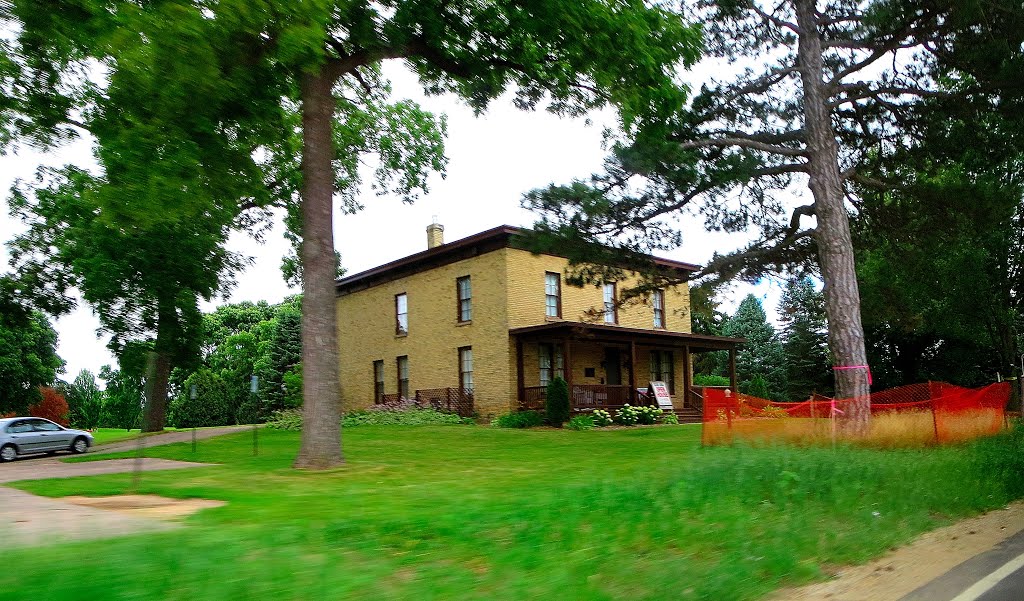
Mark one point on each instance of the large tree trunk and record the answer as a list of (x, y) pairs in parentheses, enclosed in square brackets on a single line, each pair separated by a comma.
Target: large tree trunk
[(158, 372), (835, 246), (321, 394)]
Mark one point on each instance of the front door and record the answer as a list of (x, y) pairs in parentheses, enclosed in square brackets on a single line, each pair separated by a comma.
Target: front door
[(612, 367)]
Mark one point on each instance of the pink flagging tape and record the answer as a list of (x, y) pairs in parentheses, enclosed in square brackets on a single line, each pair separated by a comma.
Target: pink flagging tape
[(839, 367)]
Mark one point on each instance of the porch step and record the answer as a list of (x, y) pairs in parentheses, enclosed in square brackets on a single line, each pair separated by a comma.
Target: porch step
[(689, 416)]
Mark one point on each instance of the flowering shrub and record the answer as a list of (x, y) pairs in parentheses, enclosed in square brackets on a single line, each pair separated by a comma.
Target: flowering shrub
[(628, 415), (602, 418), (580, 423), (648, 415), (773, 411), (670, 419)]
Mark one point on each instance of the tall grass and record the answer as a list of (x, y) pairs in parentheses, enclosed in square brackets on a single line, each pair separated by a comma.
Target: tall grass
[(471, 513), (889, 430)]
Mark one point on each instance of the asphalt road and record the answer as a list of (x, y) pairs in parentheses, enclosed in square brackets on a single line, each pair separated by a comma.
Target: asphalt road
[(995, 575)]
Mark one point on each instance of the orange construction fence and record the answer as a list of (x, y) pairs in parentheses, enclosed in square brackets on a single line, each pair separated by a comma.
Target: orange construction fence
[(918, 414)]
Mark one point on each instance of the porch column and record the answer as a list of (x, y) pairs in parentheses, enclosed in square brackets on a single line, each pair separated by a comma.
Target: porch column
[(520, 383), (732, 370), (567, 358), (632, 371), (686, 376)]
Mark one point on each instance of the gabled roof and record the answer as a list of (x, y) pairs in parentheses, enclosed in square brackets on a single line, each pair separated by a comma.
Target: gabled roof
[(471, 246)]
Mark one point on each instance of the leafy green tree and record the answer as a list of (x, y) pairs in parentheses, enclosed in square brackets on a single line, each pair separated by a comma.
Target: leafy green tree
[(28, 359), (804, 343), (145, 284), (945, 239), (257, 74), (122, 398), (215, 403), (761, 355), (85, 400)]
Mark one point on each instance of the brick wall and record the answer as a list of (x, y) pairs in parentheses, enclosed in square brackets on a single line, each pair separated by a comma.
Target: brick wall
[(366, 327)]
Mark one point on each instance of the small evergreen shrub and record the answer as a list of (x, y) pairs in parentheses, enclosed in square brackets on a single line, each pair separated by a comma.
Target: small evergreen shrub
[(757, 386), (556, 404), (286, 419), (648, 415), (581, 423), (670, 419), (518, 419), (602, 418), (709, 380), (627, 416)]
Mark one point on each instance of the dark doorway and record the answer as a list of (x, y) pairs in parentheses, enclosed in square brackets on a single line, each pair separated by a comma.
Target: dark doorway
[(612, 367)]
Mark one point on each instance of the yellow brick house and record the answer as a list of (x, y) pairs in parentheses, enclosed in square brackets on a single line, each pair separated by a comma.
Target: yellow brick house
[(481, 325)]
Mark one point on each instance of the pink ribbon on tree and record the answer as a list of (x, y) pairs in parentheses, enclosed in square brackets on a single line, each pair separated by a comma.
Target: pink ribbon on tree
[(844, 367)]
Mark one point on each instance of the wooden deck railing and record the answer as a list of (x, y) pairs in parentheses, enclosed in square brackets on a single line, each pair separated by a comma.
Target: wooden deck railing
[(449, 400), (586, 397)]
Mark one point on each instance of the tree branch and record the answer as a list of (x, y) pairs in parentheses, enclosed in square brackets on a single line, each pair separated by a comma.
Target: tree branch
[(743, 143), (775, 20)]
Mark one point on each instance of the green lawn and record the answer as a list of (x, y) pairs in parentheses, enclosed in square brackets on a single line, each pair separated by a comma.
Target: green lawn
[(466, 512), (109, 435)]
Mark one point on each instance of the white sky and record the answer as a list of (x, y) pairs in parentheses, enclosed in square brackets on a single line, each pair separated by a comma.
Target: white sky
[(493, 160)]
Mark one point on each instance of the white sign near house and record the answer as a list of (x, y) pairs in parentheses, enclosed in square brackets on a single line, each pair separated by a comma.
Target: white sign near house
[(660, 392)]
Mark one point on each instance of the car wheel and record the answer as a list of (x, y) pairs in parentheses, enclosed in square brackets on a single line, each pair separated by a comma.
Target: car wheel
[(8, 453), (80, 445)]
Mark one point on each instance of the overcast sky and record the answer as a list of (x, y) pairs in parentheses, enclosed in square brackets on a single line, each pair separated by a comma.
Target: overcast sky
[(493, 160)]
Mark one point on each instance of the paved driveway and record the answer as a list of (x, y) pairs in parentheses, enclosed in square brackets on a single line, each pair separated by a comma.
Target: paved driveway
[(27, 519)]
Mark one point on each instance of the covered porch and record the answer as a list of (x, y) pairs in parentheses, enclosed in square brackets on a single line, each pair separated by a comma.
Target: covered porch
[(608, 366)]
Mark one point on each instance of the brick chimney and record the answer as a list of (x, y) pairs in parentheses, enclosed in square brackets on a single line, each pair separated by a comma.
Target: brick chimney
[(435, 234)]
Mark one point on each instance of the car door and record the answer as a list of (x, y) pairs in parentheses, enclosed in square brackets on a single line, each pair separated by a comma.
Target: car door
[(51, 436), (24, 436)]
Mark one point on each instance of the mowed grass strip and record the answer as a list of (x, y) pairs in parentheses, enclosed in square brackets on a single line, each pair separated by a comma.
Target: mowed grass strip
[(464, 512)]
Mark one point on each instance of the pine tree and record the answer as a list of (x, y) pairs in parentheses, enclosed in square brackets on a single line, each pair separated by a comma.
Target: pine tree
[(761, 354), (802, 313)]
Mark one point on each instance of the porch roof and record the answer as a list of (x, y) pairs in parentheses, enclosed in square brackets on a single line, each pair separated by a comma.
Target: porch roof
[(597, 332)]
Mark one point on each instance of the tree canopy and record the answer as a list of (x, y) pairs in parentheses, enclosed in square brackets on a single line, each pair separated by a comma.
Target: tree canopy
[(28, 359)]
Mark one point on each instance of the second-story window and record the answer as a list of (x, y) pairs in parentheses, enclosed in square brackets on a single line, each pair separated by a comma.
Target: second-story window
[(552, 294), (611, 311), (401, 314), (658, 300), (465, 295), (378, 381)]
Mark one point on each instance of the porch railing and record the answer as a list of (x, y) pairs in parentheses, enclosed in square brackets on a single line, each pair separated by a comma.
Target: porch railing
[(586, 397)]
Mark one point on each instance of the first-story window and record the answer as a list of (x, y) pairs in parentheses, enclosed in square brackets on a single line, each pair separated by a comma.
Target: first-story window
[(663, 369), (466, 368), (378, 381), (403, 376), (552, 362), (611, 311), (401, 313), (658, 300)]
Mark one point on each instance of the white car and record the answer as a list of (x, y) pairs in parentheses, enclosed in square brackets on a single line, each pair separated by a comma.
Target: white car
[(28, 435)]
